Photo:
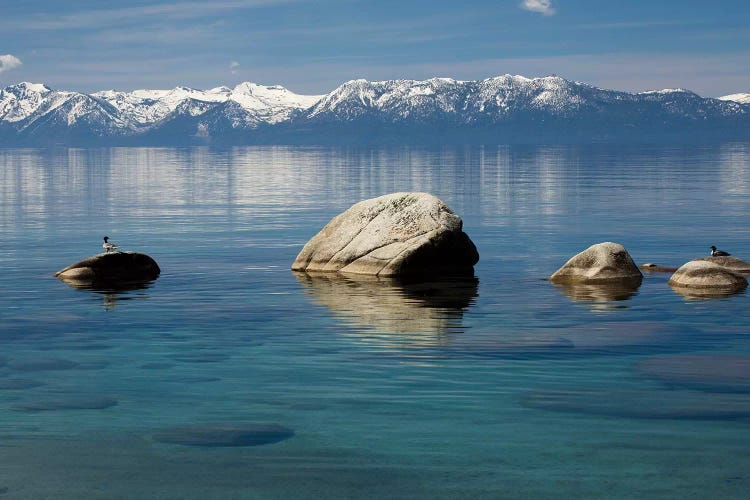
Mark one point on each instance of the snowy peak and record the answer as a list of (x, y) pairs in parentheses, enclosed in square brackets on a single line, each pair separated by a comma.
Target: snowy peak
[(260, 103), (270, 103), (29, 88), (20, 101), (741, 98)]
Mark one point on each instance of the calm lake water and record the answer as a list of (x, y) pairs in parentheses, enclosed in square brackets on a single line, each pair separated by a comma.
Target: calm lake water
[(498, 386)]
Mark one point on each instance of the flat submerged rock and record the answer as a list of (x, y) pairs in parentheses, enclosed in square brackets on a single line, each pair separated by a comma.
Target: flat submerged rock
[(656, 268), (67, 403), (657, 404), (18, 384), (711, 372), (225, 434), (201, 357), (566, 342)]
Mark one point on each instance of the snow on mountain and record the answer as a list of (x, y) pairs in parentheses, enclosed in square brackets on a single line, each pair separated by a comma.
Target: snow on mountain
[(407, 99), (33, 108), (403, 98), (509, 92), (20, 101), (506, 107), (741, 98), (261, 104), (145, 107), (499, 99), (258, 97)]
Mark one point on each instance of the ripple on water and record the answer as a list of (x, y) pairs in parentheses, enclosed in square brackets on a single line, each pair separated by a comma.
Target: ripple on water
[(41, 364)]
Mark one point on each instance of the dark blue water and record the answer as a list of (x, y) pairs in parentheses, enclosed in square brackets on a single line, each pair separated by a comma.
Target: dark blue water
[(498, 386)]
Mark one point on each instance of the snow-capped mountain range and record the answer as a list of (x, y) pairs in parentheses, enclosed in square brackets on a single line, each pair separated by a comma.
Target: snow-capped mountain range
[(496, 110)]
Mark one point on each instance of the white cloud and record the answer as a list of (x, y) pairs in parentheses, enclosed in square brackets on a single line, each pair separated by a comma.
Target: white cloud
[(8, 62), (233, 67), (542, 6)]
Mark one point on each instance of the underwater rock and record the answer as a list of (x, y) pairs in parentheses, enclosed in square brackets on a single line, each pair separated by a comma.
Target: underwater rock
[(201, 357), (641, 403), (18, 384), (67, 403), (157, 365), (111, 270), (191, 379), (226, 434), (655, 268), (706, 278), (624, 337), (395, 234), (709, 372), (600, 263)]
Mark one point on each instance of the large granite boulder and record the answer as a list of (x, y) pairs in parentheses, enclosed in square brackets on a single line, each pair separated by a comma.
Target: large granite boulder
[(395, 234), (599, 264), (111, 269), (707, 276)]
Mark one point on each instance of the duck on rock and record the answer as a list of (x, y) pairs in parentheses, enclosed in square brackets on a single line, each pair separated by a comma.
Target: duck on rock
[(718, 253), (107, 246)]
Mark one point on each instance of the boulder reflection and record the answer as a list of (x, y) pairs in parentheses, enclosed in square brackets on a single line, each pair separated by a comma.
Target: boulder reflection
[(111, 293), (705, 293), (411, 312), (601, 295)]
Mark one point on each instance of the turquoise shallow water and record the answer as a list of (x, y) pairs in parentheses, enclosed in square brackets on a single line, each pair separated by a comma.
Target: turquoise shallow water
[(497, 386)]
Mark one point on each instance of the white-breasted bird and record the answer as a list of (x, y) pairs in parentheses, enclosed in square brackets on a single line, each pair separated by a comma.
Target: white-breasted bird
[(107, 246), (718, 253)]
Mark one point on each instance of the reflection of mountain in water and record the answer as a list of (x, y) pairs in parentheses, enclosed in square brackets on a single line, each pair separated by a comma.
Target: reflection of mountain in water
[(395, 312)]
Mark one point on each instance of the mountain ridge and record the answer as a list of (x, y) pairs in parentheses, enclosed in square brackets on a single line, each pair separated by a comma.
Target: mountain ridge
[(505, 108)]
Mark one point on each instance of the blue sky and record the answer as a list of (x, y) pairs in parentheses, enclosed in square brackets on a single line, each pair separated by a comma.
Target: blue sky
[(314, 46)]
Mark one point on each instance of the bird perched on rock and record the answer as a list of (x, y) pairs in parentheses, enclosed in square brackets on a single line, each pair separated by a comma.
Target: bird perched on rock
[(107, 245), (718, 253)]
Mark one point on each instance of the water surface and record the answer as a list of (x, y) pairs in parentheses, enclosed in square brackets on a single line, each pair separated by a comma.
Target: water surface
[(499, 385)]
